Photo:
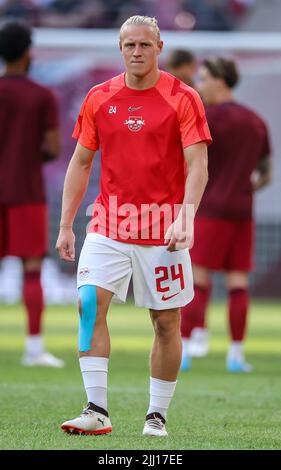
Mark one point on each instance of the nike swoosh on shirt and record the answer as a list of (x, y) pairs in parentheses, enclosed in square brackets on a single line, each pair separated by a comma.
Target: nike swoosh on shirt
[(169, 297), (131, 108)]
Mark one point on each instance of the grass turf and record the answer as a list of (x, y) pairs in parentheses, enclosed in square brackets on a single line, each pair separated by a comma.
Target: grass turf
[(212, 409)]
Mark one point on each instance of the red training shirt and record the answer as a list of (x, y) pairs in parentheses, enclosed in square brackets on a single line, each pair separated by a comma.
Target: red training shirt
[(141, 134), (27, 111), (240, 142)]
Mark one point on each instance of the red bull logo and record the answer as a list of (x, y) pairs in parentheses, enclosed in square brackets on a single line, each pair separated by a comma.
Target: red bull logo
[(134, 123)]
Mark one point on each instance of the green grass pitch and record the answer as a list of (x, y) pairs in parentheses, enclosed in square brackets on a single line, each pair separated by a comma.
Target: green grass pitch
[(212, 409)]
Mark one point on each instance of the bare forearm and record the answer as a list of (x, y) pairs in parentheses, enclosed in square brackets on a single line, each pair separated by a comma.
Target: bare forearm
[(197, 175), (75, 186), (51, 146), (180, 234), (195, 185)]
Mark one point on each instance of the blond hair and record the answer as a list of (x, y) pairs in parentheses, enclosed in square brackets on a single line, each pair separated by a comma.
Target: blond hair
[(139, 20)]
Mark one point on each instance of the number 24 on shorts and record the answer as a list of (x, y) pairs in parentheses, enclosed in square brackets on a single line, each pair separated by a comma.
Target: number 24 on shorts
[(166, 274)]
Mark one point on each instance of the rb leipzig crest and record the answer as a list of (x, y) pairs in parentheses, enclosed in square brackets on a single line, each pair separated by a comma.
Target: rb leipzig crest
[(83, 273), (134, 123)]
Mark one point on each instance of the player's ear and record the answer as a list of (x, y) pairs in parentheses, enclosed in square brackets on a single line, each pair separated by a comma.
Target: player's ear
[(160, 47)]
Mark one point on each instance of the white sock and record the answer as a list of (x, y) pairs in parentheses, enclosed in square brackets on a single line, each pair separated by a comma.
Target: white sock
[(161, 393), (34, 345), (185, 346), (236, 350), (94, 372)]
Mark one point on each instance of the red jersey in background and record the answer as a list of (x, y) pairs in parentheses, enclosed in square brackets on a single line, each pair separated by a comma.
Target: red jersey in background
[(240, 142), (27, 111)]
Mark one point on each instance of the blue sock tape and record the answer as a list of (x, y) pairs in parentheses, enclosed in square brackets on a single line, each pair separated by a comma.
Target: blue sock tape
[(88, 300)]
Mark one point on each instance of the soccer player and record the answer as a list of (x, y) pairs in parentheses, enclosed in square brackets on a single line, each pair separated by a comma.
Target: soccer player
[(239, 164), (182, 64), (29, 138), (148, 125)]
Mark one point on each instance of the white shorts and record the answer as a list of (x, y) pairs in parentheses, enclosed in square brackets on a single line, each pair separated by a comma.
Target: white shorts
[(161, 279)]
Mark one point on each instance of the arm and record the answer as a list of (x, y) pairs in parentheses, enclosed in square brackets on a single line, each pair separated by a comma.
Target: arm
[(180, 233), (51, 145), (75, 185), (51, 136), (196, 157), (262, 175)]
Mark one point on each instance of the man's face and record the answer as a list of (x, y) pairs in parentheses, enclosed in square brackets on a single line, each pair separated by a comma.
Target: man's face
[(207, 85), (140, 48), (185, 73)]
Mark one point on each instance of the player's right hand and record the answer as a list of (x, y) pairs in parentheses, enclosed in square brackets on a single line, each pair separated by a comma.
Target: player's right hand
[(65, 244), (180, 234)]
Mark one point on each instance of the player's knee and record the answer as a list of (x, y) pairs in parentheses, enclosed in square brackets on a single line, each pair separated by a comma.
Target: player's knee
[(237, 280), (32, 264), (201, 276), (167, 326), (87, 305)]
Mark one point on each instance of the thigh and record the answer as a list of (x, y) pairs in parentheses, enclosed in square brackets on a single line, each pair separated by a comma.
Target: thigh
[(105, 263), (27, 227), (162, 280)]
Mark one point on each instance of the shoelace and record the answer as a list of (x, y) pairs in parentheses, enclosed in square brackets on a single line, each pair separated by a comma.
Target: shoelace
[(155, 423), (87, 411)]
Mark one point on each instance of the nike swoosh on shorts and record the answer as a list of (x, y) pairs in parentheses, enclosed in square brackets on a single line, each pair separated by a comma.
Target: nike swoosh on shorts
[(169, 297)]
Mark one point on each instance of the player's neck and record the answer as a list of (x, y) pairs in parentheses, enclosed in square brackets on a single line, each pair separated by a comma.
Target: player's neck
[(142, 83), (14, 69), (225, 96)]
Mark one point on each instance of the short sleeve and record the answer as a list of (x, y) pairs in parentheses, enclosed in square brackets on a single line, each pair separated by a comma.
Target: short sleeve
[(193, 123), (51, 113), (85, 130)]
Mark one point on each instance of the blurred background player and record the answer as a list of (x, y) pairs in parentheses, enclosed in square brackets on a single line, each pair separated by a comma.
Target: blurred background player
[(182, 64), (239, 164), (29, 122)]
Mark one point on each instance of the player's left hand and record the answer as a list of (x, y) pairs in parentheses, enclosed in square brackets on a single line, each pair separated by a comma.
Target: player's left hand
[(180, 234)]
